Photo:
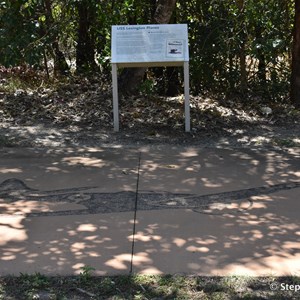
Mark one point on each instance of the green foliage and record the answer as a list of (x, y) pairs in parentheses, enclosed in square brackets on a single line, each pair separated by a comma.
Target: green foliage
[(19, 42), (148, 87), (220, 31), (220, 34), (86, 274), (35, 281), (30, 284), (145, 287)]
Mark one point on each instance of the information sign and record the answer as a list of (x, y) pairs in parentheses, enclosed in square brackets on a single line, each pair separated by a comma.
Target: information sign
[(149, 43), (149, 46)]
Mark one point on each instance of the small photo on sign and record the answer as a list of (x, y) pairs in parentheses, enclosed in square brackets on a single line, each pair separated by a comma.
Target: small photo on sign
[(175, 48)]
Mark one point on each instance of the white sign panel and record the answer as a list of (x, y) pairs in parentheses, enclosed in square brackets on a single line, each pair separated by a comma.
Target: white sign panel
[(149, 43)]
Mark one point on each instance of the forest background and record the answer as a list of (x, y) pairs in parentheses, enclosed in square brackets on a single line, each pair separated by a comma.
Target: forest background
[(235, 45), (244, 54)]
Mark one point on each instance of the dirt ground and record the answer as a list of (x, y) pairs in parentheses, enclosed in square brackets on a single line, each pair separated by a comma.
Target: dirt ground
[(79, 113)]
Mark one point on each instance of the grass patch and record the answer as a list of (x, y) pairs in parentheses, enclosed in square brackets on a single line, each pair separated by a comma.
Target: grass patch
[(7, 142), (288, 142), (135, 287)]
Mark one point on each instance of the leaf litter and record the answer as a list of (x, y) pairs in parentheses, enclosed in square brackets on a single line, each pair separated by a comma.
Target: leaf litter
[(80, 111)]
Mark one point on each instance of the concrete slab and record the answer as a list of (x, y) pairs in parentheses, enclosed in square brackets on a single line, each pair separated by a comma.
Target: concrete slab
[(200, 211), (203, 218), (207, 171), (62, 210), (110, 170), (261, 239), (63, 244)]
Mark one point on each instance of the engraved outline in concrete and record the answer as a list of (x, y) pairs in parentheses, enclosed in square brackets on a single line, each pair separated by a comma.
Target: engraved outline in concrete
[(13, 189)]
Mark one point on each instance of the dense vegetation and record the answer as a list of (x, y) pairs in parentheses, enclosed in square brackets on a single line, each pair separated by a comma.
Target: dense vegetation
[(239, 47)]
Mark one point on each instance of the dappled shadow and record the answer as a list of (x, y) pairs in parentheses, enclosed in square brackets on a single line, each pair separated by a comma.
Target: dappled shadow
[(82, 116), (263, 240), (48, 202), (208, 211), (60, 245), (52, 170), (236, 238), (209, 171)]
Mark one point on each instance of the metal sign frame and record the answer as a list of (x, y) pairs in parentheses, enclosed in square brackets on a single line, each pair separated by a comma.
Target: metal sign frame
[(148, 62)]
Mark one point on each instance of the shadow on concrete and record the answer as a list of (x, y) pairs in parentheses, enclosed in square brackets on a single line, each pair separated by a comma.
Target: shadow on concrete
[(262, 239)]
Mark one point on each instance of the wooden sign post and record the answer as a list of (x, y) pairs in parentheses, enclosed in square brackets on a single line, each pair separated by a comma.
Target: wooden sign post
[(158, 45)]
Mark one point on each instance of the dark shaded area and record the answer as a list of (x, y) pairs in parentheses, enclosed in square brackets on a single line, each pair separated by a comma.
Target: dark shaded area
[(85, 286), (74, 111), (295, 78)]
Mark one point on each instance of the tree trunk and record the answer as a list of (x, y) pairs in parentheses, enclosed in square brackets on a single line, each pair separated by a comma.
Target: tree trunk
[(295, 78), (60, 64), (243, 68), (164, 11), (131, 78), (242, 50), (172, 82), (85, 49), (261, 57)]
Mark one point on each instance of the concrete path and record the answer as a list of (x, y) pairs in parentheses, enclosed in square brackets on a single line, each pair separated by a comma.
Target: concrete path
[(150, 210)]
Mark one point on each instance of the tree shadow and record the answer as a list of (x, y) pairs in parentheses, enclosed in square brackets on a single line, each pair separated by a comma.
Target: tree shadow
[(192, 213)]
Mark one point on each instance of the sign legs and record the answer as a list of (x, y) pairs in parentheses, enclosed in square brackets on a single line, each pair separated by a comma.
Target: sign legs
[(187, 97), (115, 97)]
